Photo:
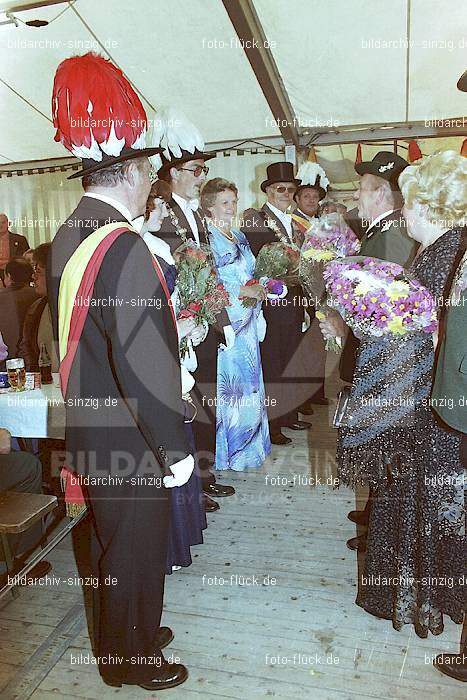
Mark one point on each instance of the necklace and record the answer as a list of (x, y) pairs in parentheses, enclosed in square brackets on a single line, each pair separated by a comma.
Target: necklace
[(270, 223), (229, 235), (174, 219)]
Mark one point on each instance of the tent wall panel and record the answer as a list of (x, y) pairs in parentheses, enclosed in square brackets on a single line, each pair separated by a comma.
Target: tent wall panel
[(38, 204)]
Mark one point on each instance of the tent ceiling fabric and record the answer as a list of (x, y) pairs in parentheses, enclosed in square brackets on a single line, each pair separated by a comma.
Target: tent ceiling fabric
[(345, 62), (185, 53), (329, 77), (162, 48)]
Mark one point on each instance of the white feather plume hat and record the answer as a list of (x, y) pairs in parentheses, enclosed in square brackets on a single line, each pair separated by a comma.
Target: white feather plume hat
[(179, 139), (312, 175)]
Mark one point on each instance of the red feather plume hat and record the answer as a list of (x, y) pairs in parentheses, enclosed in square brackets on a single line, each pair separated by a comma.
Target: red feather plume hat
[(97, 114)]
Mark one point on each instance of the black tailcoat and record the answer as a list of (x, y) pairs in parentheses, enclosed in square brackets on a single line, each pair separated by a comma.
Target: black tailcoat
[(127, 363), (284, 326), (205, 389)]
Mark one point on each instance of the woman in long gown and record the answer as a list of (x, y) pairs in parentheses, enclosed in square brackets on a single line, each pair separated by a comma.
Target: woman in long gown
[(416, 551), (242, 432), (187, 512)]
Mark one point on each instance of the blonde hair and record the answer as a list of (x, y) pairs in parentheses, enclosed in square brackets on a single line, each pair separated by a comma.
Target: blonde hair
[(438, 181)]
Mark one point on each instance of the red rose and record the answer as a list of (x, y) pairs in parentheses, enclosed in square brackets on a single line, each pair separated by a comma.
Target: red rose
[(195, 306), (185, 314), (196, 253)]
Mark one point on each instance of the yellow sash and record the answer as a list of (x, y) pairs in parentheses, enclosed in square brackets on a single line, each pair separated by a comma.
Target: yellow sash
[(72, 275)]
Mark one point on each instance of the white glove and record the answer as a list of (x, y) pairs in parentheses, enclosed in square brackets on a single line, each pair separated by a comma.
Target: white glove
[(229, 335), (198, 337), (261, 327), (181, 472)]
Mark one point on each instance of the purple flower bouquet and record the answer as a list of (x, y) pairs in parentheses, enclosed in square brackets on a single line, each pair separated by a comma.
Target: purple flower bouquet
[(377, 298), (327, 238)]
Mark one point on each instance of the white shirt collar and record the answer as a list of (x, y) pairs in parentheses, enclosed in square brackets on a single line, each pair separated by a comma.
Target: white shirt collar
[(378, 218), (305, 216), (158, 247), (191, 204), (124, 211), (187, 209), (286, 219)]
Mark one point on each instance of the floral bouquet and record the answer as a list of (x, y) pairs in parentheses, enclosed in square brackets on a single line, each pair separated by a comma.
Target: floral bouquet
[(377, 298), (276, 289), (277, 266), (278, 261), (327, 239), (202, 297)]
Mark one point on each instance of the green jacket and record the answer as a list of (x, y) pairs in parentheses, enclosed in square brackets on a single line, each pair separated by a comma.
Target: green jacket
[(388, 240), (449, 395)]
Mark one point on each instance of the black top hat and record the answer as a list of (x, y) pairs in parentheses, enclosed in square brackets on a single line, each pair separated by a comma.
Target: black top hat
[(184, 158), (91, 166), (316, 186), (385, 164), (462, 82), (279, 172)]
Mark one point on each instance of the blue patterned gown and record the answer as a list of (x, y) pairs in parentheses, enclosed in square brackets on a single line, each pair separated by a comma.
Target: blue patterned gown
[(242, 431)]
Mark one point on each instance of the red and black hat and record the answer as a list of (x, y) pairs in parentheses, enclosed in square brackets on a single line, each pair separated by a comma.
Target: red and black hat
[(97, 114)]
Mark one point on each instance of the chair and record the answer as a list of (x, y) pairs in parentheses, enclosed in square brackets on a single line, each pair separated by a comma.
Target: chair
[(18, 512)]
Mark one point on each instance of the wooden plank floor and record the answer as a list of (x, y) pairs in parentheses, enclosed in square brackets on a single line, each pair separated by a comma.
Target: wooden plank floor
[(292, 631)]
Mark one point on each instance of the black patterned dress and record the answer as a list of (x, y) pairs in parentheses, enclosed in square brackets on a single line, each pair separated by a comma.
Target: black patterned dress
[(416, 553)]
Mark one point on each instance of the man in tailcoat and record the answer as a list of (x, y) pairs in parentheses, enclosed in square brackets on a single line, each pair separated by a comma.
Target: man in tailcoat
[(185, 173), (271, 224), (124, 413)]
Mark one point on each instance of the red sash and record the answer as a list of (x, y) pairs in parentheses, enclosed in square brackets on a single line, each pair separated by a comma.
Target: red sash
[(74, 497)]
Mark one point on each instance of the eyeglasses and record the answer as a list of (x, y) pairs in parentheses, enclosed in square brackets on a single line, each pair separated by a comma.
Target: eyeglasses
[(283, 189), (198, 170)]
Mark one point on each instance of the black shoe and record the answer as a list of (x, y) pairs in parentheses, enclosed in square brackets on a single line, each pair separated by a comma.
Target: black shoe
[(452, 665), (280, 439), (305, 410), (218, 490), (209, 505), (360, 517), (167, 676), (320, 401), (358, 544), (163, 637), (298, 425)]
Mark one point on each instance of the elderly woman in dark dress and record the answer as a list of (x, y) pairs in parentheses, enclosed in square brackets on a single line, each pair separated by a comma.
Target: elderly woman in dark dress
[(416, 552)]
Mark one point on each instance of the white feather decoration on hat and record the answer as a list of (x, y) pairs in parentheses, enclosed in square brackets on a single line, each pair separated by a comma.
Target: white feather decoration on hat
[(173, 132), (309, 171)]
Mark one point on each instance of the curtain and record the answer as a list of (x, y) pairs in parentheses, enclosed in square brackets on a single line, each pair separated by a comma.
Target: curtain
[(37, 205)]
